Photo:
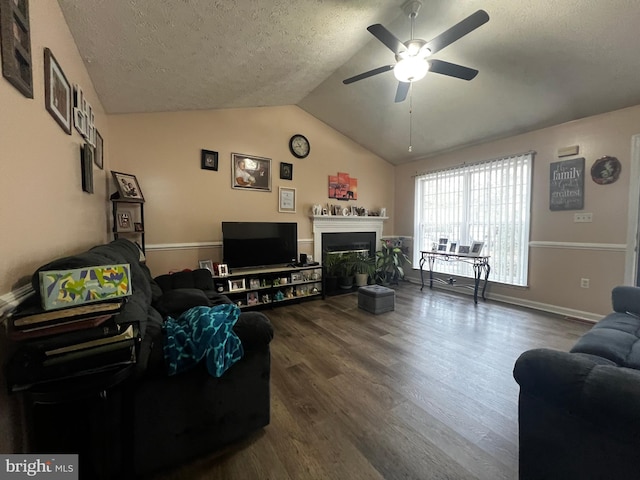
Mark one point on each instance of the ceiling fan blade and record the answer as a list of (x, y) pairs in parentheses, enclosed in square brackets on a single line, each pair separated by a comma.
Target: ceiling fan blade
[(401, 92), (386, 37), (458, 31), (452, 70), (368, 74)]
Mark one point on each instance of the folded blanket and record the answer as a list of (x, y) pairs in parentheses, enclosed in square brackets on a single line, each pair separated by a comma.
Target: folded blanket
[(203, 332)]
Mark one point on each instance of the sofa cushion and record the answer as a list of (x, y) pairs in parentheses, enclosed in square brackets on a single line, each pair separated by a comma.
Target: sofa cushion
[(616, 338), (174, 302), (200, 279)]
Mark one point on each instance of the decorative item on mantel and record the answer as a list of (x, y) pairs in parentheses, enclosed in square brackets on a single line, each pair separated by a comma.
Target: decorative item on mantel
[(318, 210)]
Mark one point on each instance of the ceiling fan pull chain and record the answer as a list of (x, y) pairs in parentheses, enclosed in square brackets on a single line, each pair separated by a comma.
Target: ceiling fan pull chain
[(410, 116)]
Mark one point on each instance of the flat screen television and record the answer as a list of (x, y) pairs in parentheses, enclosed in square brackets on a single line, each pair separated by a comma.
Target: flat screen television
[(258, 244)]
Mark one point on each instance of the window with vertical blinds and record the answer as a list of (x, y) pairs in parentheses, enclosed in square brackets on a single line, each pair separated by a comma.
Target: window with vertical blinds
[(486, 202)]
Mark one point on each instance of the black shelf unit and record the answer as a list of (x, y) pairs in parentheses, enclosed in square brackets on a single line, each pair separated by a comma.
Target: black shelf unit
[(294, 284), (136, 220)]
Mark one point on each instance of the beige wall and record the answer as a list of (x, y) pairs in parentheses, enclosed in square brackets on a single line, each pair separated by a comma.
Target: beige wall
[(555, 270), (186, 205), (44, 211)]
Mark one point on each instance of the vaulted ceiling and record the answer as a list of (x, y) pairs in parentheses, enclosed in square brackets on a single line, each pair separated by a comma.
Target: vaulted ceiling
[(541, 62)]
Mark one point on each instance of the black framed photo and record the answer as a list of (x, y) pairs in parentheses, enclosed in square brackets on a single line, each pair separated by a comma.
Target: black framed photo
[(99, 154), (209, 160), (86, 163), (125, 220), (15, 40), (57, 92), (286, 171), (128, 187)]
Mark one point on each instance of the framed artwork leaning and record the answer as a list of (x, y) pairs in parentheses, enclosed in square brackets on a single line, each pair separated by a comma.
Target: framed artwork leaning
[(128, 187)]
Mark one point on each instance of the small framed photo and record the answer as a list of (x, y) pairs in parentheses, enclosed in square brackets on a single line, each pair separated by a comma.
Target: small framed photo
[(125, 221), (463, 249), (254, 283), (443, 241), (137, 226), (57, 92), (223, 270), (286, 171), (208, 264), (237, 285), (250, 173), (296, 277), (128, 187), (476, 248), (442, 247), (452, 247), (252, 298), (286, 200), (209, 160)]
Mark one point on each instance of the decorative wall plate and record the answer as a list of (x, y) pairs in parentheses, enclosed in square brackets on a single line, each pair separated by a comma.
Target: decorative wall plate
[(606, 170)]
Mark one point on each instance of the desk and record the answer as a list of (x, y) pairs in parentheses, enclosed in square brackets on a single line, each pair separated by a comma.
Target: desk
[(480, 266)]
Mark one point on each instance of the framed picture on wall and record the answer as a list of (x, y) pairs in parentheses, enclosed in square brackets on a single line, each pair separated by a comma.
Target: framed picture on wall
[(250, 172), (57, 92), (287, 200), (98, 157), (286, 171), (209, 160), (15, 40)]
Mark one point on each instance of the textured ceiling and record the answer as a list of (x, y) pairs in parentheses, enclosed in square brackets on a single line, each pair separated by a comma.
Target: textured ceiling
[(541, 62)]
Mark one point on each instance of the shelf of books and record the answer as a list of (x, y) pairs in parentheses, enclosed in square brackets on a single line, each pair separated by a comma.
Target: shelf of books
[(63, 345)]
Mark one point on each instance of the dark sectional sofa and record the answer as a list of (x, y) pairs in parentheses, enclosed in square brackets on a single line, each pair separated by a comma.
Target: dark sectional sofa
[(579, 411), (155, 422)]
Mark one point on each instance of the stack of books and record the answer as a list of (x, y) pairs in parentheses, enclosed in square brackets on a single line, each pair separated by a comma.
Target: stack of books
[(70, 342)]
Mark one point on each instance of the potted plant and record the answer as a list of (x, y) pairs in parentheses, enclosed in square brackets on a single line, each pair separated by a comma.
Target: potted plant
[(363, 266), (330, 276), (390, 263), (346, 270)]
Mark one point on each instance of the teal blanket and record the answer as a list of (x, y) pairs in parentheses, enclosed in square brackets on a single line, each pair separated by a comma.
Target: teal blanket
[(203, 332)]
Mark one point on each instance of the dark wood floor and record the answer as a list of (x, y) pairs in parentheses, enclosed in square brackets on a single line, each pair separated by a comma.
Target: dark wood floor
[(424, 392)]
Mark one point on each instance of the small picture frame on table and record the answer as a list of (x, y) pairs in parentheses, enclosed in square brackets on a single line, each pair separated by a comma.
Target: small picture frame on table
[(452, 247), (207, 264), (237, 285), (254, 283), (137, 226), (476, 248), (209, 160), (223, 270), (252, 298), (463, 249)]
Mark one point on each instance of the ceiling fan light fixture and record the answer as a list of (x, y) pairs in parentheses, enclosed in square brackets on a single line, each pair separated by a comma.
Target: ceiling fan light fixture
[(410, 69)]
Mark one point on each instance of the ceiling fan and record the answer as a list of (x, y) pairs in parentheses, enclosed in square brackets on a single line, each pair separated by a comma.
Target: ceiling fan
[(411, 56)]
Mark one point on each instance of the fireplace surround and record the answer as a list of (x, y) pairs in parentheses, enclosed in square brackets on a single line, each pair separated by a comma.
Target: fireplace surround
[(345, 233)]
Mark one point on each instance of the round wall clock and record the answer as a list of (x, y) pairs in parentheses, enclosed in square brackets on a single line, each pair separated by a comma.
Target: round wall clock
[(299, 146)]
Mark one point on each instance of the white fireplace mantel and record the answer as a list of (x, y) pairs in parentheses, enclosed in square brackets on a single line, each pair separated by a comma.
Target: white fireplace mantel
[(343, 224)]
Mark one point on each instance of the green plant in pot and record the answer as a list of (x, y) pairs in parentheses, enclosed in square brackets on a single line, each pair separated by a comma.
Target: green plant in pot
[(390, 262), (346, 270), (330, 264), (364, 266)]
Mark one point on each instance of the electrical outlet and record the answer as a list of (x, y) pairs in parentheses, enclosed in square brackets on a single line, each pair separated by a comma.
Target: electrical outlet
[(582, 217), (584, 283)]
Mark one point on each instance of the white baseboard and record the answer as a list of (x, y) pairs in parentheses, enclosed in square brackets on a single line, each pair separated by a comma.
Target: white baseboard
[(544, 307)]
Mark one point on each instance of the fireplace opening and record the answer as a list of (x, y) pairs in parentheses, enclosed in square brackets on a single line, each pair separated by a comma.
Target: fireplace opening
[(363, 242)]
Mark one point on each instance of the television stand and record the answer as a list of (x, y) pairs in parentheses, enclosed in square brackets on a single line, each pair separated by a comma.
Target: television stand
[(269, 286)]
